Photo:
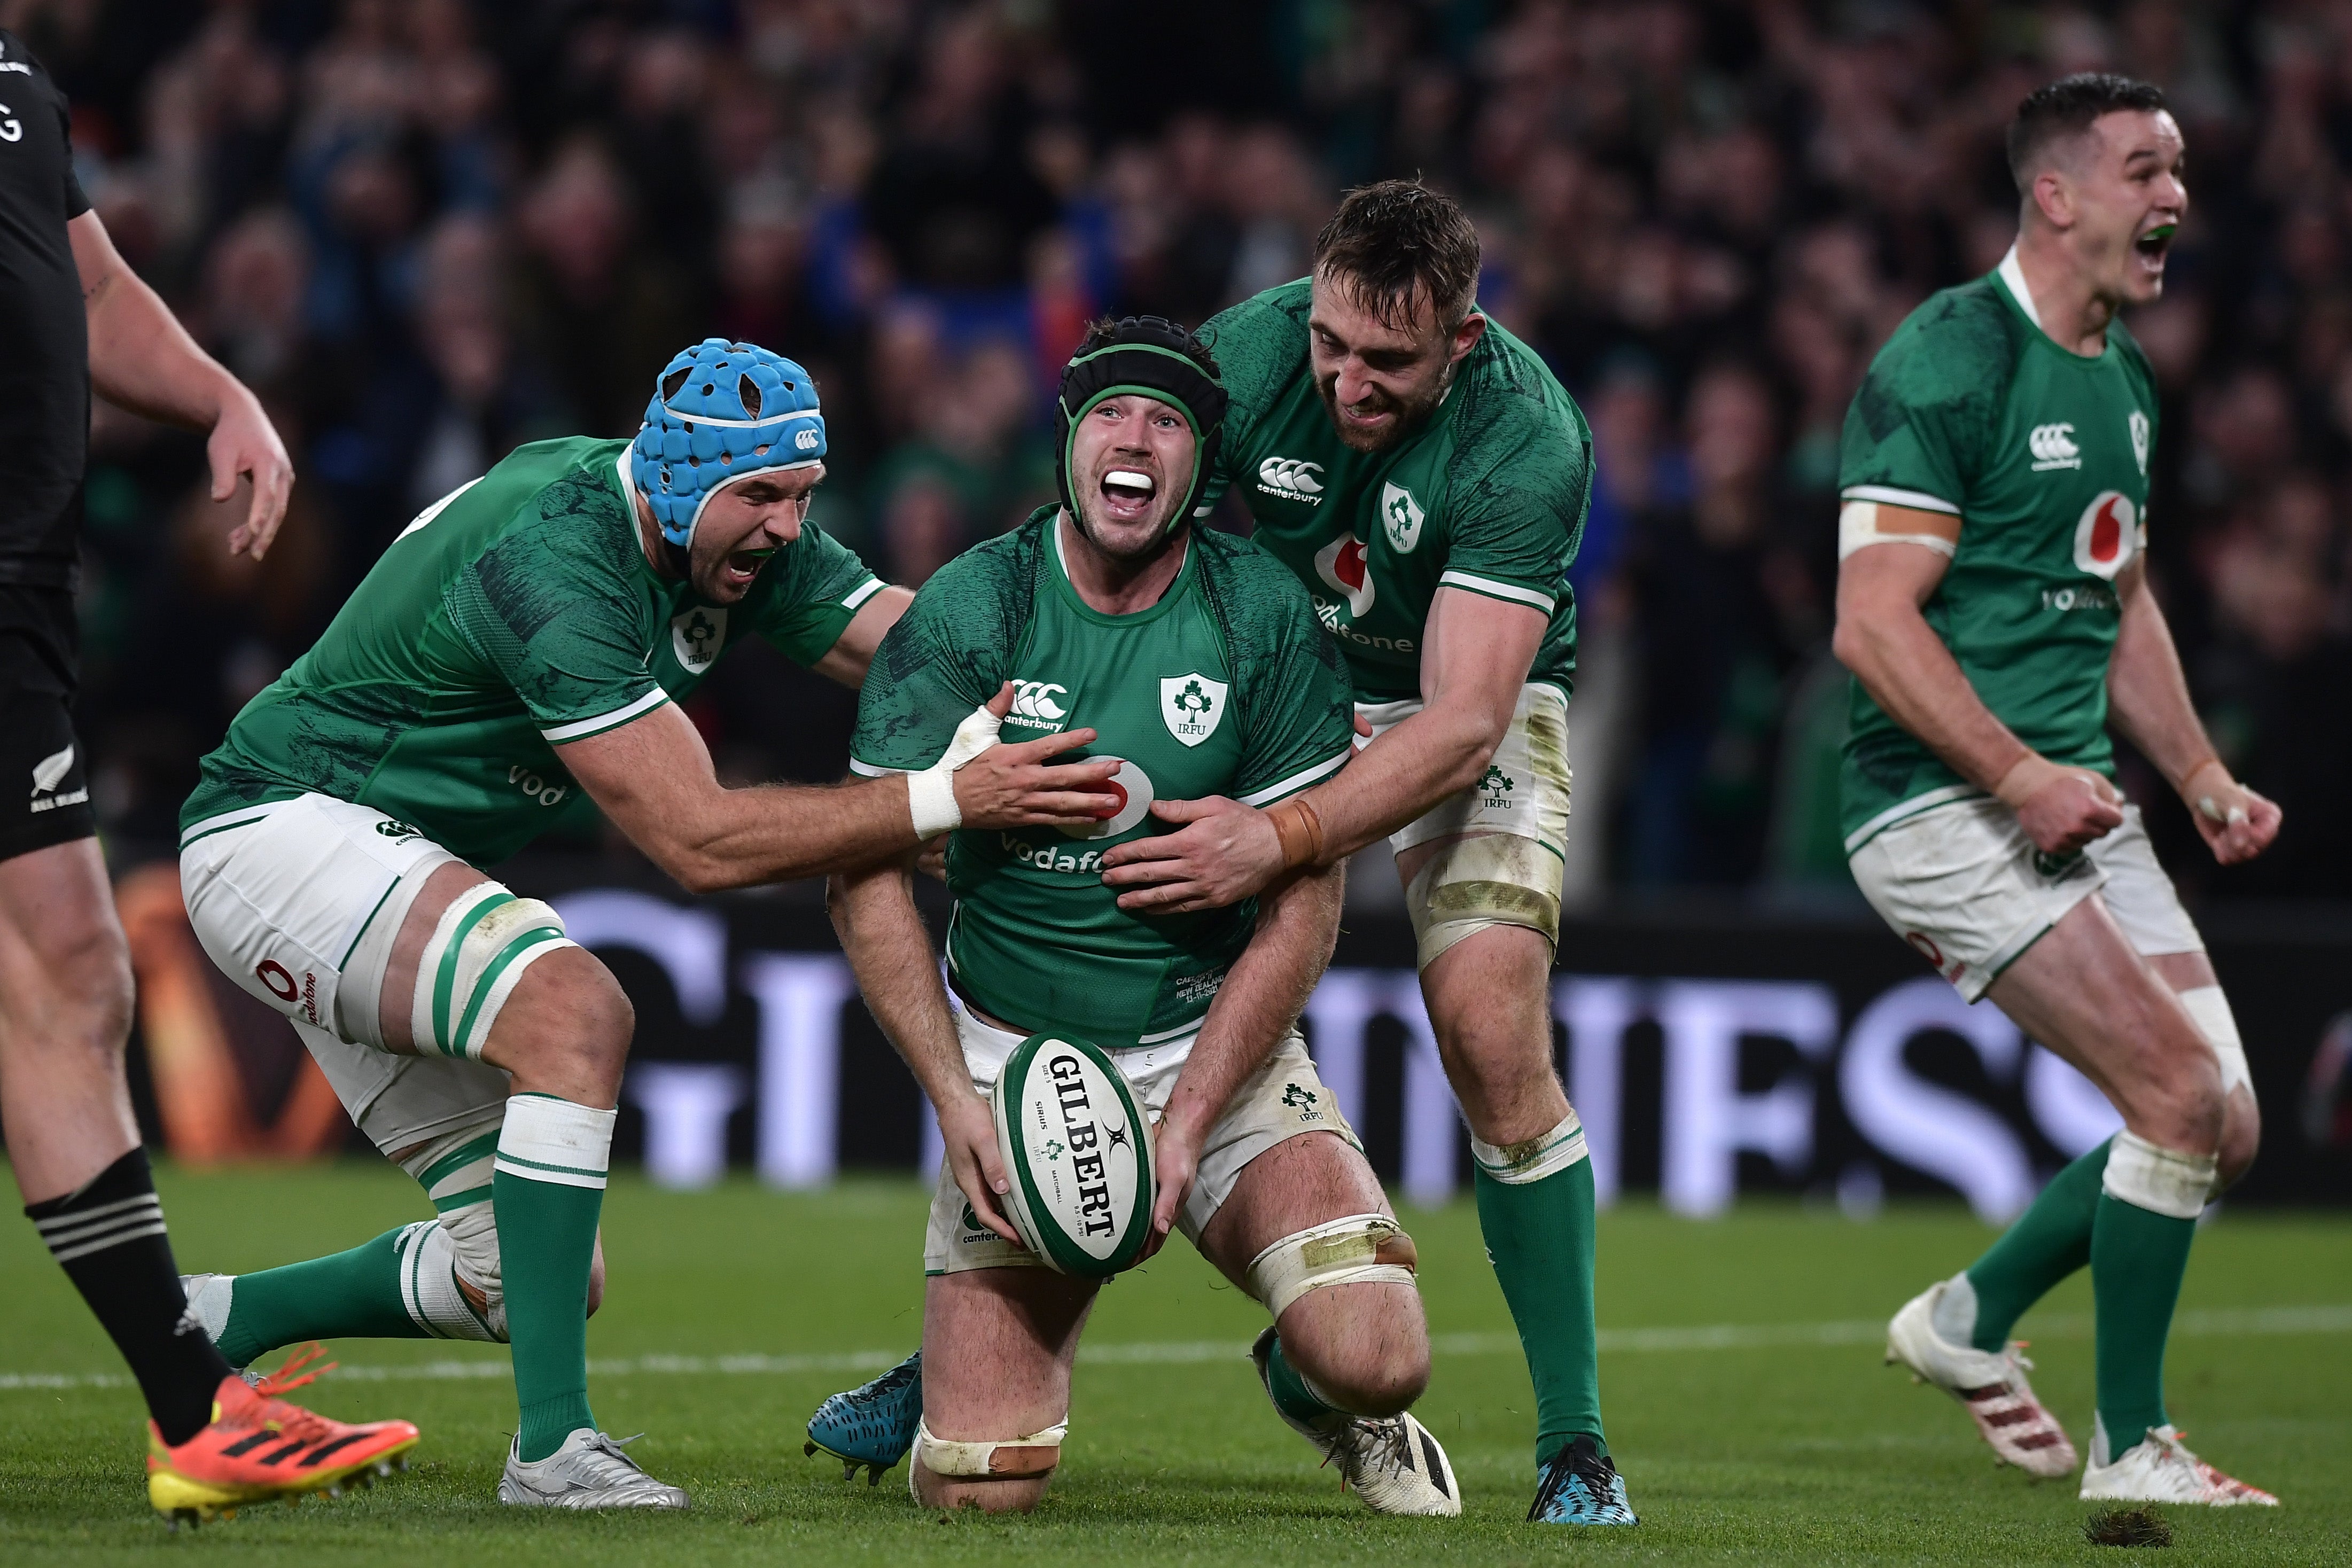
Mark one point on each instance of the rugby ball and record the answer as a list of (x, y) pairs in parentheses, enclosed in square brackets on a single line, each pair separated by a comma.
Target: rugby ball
[(1078, 1150)]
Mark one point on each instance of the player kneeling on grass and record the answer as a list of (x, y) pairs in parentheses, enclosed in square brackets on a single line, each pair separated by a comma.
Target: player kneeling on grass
[(1197, 659), (519, 651), (1993, 604)]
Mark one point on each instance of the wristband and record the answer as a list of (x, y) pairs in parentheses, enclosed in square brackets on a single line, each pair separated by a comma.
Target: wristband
[(1299, 827)]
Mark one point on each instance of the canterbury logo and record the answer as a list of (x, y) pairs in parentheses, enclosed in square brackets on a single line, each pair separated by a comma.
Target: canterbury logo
[(1293, 478), (2053, 446), (1034, 701)]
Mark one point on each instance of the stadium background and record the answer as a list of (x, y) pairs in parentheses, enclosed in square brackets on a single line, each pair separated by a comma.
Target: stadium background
[(429, 230)]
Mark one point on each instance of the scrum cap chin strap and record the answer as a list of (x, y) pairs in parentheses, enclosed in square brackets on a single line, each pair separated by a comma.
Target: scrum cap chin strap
[(1145, 358)]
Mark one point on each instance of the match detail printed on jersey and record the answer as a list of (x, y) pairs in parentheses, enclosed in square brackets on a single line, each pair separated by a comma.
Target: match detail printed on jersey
[(514, 616), (1971, 410), (1488, 497), (1226, 687)]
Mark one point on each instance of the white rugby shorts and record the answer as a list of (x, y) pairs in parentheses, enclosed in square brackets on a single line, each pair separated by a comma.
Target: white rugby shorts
[(1963, 885), (1280, 1101)]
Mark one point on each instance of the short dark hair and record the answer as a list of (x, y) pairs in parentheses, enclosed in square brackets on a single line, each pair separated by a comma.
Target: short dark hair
[(2066, 109), (1394, 241)]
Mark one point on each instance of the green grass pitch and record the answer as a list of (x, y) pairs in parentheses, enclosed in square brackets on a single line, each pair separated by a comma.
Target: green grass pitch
[(1741, 1371)]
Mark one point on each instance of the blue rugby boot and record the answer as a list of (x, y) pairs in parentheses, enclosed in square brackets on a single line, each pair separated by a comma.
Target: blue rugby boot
[(1580, 1486), (872, 1426)]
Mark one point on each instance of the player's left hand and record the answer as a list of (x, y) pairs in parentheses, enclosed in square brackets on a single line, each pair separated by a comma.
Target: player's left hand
[(933, 859), (1175, 1162), (2236, 824), (244, 442), (1226, 853)]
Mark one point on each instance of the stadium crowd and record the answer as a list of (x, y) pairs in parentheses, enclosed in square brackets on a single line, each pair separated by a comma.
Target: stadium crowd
[(429, 230)]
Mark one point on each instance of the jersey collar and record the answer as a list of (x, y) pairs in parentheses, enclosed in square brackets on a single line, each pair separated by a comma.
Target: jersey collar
[(1159, 607), (2013, 278)]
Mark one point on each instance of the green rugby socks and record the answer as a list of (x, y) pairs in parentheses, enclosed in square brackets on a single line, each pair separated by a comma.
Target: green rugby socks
[(2049, 1241), (1535, 1205), (2139, 1250), (1292, 1394), (548, 1191), (354, 1294)]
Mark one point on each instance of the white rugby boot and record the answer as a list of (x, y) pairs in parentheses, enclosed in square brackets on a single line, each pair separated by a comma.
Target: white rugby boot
[(588, 1472), (1991, 1387), (2161, 1470), (1392, 1463)]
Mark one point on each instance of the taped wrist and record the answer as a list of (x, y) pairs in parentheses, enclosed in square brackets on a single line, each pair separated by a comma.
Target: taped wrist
[(1299, 826), (2160, 1180), (2210, 791), (1358, 1249), (476, 957), (1014, 1459), (930, 793)]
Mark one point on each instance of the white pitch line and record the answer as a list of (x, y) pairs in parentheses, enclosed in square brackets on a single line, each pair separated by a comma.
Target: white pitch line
[(2202, 1323)]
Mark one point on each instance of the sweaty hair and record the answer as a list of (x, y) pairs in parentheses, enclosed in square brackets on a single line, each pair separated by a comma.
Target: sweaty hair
[(2064, 109), (1391, 243)]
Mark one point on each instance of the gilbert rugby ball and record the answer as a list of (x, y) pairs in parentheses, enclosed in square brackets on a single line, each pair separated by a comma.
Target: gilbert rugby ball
[(1078, 1150)]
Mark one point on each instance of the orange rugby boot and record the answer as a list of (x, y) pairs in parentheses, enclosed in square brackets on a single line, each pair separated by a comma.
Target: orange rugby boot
[(261, 1449)]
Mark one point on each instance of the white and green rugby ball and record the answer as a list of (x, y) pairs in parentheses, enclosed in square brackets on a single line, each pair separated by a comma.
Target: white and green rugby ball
[(1078, 1150)]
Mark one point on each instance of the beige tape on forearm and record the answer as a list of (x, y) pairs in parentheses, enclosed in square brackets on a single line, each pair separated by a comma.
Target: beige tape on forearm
[(1358, 1249), (1014, 1458)]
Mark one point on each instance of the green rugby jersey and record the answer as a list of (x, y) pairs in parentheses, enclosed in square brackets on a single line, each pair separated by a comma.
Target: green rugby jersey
[(1225, 687), (515, 614), (1972, 410), (1488, 497)]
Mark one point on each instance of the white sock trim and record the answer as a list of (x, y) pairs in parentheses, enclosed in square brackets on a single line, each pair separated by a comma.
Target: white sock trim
[(2209, 1009), (2160, 1180), (1954, 1316), (1517, 1164), (551, 1140)]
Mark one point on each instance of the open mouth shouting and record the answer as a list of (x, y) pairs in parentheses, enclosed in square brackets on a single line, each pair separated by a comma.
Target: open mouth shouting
[(2154, 241), (742, 566), (1128, 494)]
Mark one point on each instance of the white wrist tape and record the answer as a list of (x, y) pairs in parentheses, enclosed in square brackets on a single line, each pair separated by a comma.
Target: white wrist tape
[(930, 794), (1014, 1458), (2160, 1180), (1361, 1249)]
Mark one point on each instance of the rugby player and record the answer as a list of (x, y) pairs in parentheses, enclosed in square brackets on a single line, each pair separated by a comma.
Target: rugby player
[(1197, 660), (73, 316), (1424, 475), (1994, 607), (517, 652)]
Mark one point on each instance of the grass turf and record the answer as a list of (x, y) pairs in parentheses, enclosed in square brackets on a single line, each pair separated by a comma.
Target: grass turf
[(1784, 1441)]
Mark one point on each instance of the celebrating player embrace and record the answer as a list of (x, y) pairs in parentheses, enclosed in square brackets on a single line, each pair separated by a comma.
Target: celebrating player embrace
[(523, 645), (1993, 605), (1198, 662)]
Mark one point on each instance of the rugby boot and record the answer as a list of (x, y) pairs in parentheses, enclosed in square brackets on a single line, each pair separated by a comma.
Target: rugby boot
[(872, 1425), (261, 1449), (2162, 1470), (588, 1472), (1991, 1387), (1391, 1463), (1581, 1485)]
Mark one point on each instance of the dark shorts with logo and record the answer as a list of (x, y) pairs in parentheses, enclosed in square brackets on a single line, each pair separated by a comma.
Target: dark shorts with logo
[(44, 791)]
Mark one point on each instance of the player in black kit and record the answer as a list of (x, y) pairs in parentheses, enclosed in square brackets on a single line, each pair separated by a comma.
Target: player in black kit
[(72, 314)]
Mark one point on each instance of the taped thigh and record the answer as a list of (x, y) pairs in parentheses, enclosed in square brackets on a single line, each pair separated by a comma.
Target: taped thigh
[(1358, 1250), (479, 952), (1496, 879), (2209, 1009), (1010, 1458)]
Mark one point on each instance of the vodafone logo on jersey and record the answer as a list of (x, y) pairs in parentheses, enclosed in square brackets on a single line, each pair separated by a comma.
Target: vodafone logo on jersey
[(1341, 564), (2107, 536)]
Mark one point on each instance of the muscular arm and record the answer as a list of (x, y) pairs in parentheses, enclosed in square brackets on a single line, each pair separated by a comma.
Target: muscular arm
[(653, 777), (2148, 695), (142, 359), (890, 951), (852, 655), (1477, 653), (1297, 924), (1885, 641)]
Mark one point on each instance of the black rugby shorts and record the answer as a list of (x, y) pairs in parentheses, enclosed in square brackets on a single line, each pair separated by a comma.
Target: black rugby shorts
[(44, 788)]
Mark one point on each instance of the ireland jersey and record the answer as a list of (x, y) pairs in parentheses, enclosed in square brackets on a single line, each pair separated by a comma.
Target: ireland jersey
[(1225, 687), (1488, 497), (1971, 410), (516, 613)]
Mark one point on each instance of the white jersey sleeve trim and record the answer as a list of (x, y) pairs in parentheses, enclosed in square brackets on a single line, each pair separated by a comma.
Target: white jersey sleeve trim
[(865, 591), (1297, 782), (581, 728), (1887, 495), (868, 769), (1493, 590)]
